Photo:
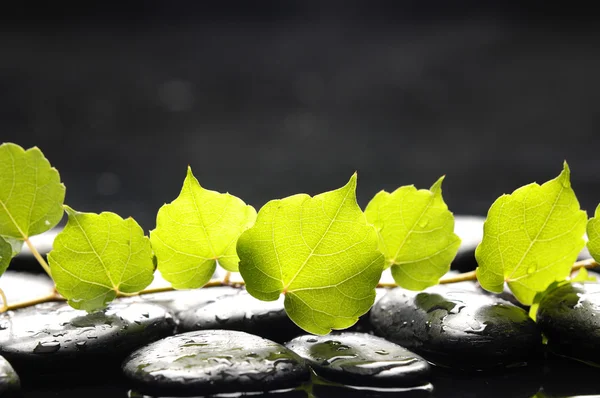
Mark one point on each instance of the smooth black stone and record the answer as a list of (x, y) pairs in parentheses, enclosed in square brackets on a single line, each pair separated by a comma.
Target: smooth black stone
[(182, 300), (569, 317), (244, 313), (214, 361), (470, 231), (25, 286), (457, 328), (9, 380), (55, 337), (361, 359)]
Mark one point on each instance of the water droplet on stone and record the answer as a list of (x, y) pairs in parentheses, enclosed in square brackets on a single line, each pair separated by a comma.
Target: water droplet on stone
[(311, 340), (80, 345), (221, 319), (46, 347), (382, 352)]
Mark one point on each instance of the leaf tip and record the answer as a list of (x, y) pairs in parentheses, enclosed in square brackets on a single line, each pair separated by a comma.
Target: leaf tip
[(565, 175), (437, 186)]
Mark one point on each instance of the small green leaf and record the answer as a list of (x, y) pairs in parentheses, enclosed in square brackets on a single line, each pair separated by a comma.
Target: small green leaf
[(320, 252), (416, 234), (31, 194), (582, 276), (593, 233), (97, 256), (5, 254), (531, 238), (15, 244), (195, 231)]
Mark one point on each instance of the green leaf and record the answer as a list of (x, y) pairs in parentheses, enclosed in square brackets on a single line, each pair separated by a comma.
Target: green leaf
[(320, 252), (582, 276), (15, 244), (31, 194), (416, 234), (5, 254), (97, 256), (531, 238), (195, 231), (593, 233)]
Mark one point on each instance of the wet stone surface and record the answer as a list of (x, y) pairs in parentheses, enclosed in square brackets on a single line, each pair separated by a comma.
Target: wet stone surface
[(182, 300), (361, 359), (457, 328), (245, 313), (214, 361), (55, 337), (569, 317), (9, 380), (470, 231)]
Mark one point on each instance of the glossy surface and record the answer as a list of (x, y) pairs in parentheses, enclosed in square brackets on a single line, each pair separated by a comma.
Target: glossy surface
[(569, 316), (457, 328), (245, 313), (361, 359), (55, 337), (181, 300), (213, 361)]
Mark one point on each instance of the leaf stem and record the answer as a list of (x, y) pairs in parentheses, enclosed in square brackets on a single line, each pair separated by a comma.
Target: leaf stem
[(4, 301), (466, 276), (24, 304), (38, 257)]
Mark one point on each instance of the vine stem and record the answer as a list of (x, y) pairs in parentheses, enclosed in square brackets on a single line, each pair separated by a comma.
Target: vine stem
[(4, 301), (38, 257), (466, 276)]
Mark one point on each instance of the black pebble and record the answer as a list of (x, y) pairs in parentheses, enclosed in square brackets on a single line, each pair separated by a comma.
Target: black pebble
[(214, 361), (54, 337), (569, 317), (361, 359), (457, 328), (245, 313)]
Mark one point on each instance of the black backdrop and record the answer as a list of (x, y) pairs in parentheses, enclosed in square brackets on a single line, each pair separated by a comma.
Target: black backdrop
[(268, 100)]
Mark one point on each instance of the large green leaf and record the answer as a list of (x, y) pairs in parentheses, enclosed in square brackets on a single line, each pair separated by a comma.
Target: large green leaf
[(320, 252), (31, 194), (416, 234), (593, 233), (531, 238), (195, 231), (97, 256), (5, 254)]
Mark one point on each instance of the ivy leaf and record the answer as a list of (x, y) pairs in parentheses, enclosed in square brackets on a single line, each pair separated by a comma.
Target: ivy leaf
[(97, 256), (531, 238), (320, 252), (593, 233), (582, 276), (6, 254), (31, 194), (416, 234), (15, 244), (195, 231)]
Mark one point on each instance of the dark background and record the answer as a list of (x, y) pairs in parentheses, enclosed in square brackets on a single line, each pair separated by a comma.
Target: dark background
[(268, 99)]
